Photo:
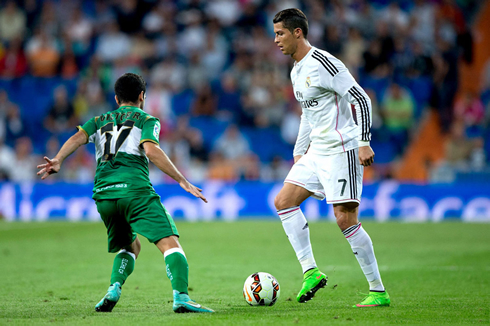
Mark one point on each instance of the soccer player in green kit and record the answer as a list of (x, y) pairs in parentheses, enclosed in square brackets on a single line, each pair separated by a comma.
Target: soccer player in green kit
[(125, 139)]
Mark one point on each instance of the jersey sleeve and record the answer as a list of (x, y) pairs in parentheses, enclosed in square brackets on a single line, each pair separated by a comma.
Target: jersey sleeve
[(358, 97), (335, 77), (303, 140), (151, 131), (89, 128)]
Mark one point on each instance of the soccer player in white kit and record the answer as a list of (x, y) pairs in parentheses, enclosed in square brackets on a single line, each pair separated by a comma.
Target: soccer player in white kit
[(330, 154)]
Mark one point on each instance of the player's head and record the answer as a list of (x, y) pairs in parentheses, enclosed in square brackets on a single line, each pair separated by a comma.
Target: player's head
[(130, 89), (290, 27)]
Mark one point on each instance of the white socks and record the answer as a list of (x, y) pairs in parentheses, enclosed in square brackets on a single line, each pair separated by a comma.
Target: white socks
[(296, 227), (362, 246)]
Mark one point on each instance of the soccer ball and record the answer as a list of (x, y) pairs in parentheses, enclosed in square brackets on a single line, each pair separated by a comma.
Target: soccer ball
[(261, 289)]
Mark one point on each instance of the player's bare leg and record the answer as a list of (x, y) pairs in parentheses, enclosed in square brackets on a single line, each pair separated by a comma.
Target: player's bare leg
[(134, 248), (362, 246), (168, 243), (296, 227), (178, 273), (123, 267)]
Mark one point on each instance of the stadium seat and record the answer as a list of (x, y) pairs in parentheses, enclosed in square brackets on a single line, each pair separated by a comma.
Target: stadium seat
[(181, 102), (378, 85), (267, 143), (421, 89), (211, 128), (385, 151)]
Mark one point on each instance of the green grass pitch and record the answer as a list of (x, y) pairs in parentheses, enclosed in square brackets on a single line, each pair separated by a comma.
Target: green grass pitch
[(435, 273)]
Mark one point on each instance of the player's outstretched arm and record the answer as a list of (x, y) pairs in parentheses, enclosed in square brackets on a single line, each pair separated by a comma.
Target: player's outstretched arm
[(54, 165), (161, 160)]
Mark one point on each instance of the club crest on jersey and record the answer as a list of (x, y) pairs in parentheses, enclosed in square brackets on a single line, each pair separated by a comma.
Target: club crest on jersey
[(308, 82)]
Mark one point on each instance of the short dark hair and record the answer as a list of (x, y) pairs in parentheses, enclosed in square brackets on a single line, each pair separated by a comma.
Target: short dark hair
[(128, 87), (292, 18)]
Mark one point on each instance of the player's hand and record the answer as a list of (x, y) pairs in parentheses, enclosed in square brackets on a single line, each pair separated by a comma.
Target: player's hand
[(366, 155), (190, 188), (51, 167), (297, 157)]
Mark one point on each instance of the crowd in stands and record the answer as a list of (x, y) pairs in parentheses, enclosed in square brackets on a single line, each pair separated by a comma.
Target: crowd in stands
[(218, 83)]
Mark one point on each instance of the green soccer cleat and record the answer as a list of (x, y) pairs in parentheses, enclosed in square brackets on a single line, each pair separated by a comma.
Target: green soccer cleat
[(313, 280), (374, 299), (110, 299), (183, 304)]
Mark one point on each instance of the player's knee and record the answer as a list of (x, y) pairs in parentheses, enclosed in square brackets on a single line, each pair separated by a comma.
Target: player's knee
[(282, 202), (347, 208), (344, 223), (136, 247), (346, 215)]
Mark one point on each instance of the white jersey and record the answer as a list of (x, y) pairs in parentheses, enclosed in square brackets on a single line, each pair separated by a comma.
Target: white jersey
[(326, 89)]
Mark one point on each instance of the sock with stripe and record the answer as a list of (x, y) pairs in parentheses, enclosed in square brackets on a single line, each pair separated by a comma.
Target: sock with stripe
[(123, 266), (298, 232), (362, 246), (177, 269)]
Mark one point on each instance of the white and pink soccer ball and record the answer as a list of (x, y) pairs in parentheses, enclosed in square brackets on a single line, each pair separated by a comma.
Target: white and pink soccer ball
[(261, 289)]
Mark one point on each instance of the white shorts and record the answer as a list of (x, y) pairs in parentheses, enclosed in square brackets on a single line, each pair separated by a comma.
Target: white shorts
[(337, 177)]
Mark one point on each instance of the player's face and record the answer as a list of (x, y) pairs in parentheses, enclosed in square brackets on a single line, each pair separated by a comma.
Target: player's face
[(284, 39)]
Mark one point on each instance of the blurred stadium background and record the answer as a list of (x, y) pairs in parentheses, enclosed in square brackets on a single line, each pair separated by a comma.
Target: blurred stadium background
[(222, 91)]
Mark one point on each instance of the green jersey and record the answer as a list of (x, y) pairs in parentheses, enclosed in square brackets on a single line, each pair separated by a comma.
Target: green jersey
[(122, 165)]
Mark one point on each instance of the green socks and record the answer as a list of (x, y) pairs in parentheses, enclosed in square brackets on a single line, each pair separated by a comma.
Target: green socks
[(123, 267), (177, 269), (176, 263)]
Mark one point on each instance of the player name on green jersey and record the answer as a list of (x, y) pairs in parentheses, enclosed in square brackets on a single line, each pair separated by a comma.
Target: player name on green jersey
[(122, 165)]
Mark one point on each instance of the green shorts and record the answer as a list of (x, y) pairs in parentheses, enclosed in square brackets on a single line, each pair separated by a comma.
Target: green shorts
[(125, 217)]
